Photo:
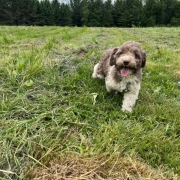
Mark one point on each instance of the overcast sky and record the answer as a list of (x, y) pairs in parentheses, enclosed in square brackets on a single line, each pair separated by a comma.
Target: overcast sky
[(63, 1)]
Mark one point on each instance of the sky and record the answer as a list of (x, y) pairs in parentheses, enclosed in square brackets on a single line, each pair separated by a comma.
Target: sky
[(63, 1)]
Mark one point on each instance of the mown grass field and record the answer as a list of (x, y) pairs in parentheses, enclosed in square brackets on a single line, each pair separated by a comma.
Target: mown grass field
[(56, 122)]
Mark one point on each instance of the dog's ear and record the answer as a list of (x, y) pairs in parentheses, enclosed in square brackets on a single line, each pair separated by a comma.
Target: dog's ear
[(143, 59), (112, 58)]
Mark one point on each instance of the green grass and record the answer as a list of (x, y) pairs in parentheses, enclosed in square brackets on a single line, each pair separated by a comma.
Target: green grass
[(48, 103)]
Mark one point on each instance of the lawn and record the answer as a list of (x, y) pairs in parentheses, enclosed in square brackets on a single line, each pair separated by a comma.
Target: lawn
[(56, 122)]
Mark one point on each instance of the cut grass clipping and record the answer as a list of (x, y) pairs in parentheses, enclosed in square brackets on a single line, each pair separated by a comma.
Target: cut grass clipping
[(59, 123), (89, 168)]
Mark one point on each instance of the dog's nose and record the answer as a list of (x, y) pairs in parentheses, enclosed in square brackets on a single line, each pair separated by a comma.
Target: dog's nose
[(126, 62)]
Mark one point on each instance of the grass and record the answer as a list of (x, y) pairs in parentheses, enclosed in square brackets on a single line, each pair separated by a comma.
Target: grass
[(55, 118)]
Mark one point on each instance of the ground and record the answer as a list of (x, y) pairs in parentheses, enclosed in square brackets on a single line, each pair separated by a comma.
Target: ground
[(57, 120)]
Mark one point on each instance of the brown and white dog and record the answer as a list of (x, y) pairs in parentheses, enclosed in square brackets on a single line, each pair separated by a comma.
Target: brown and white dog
[(122, 69)]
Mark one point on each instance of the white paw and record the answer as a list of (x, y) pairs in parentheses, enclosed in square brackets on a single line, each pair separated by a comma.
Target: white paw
[(128, 109), (94, 75)]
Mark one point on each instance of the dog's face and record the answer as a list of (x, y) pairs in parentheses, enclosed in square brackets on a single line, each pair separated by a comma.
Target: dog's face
[(128, 58)]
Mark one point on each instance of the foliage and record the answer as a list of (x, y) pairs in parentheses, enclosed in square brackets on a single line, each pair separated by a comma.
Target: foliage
[(92, 13)]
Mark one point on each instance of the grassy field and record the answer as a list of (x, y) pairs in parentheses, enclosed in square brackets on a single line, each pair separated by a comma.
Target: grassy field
[(56, 122)]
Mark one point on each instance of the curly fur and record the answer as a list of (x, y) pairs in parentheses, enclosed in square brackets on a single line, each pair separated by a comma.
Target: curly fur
[(122, 69)]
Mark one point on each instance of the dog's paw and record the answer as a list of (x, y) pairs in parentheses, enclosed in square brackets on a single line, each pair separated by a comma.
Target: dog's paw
[(94, 75), (126, 109)]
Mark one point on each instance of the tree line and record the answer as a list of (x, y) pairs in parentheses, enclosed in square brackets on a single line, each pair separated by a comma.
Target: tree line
[(91, 13)]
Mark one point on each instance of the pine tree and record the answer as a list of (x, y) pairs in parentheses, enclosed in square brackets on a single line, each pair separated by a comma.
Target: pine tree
[(47, 13), (168, 11), (107, 18), (151, 9), (35, 13), (56, 11), (85, 13), (65, 15), (118, 10), (24, 9), (175, 20), (121, 13), (15, 9), (6, 16), (96, 10), (76, 7)]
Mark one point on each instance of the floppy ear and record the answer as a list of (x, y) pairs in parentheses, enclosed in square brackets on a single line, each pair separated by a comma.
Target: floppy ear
[(143, 59), (112, 58)]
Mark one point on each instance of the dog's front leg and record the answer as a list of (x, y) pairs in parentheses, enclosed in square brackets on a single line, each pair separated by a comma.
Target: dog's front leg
[(130, 97)]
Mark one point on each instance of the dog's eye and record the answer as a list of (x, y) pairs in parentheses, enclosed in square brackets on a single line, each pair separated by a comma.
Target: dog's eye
[(137, 56), (119, 53)]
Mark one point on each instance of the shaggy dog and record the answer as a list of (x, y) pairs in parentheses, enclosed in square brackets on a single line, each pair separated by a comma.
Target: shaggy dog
[(122, 69)]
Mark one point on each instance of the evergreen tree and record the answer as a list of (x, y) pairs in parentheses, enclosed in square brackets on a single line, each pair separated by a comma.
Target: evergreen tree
[(24, 10), (167, 11), (121, 13), (6, 16), (47, 13), (65, 15), (35, 13), (85, 13), (16, 8), (151, 10), (56, 11), (76, 7), (175, 20), (96, 10), (107, 18), (133, 12), (118, 13), (144, 21)]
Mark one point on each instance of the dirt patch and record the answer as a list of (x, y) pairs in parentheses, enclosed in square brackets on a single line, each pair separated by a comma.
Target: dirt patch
[(77, 168)]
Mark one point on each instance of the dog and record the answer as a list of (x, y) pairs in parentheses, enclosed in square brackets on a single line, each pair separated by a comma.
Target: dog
[(122, 69)]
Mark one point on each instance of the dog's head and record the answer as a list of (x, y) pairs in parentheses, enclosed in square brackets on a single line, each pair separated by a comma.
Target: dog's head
[(128, 58)]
